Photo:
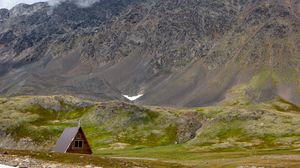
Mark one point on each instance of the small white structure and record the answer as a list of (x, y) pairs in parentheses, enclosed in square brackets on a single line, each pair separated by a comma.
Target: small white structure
[(133, 98)]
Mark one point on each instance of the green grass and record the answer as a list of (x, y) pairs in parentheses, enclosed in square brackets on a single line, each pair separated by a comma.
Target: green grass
[(31, 120), (120, 129), (41, 128), (170, 156), (83, 160), (185, 152)]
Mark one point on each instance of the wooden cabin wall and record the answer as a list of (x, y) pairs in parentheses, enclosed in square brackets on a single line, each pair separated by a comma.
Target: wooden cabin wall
[(85, 150)]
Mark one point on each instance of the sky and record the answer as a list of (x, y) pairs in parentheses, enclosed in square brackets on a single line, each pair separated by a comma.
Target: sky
[(11, 3)]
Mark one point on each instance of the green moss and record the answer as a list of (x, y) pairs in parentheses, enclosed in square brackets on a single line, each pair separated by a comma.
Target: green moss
[(153, 139), (40, 127), (269, 140), (170, 136), (230, 132), (47, 115), (259, 80), (98, 136), (151, 116)]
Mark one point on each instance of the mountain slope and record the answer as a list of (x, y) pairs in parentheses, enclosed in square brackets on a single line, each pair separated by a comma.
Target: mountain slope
[(178, 53)]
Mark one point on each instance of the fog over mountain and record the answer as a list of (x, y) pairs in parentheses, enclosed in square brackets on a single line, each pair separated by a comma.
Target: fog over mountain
[(8, 4), (11, 3)]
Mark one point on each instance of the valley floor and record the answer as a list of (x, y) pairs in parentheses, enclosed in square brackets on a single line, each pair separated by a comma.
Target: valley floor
[(263, 158), (35, 159), (237, 159)]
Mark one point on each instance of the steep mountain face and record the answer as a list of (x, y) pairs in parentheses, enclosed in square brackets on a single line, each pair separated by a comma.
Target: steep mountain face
[(178, 53)]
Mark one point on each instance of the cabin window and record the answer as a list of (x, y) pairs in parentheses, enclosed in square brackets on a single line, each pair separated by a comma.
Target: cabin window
[(78, 144)]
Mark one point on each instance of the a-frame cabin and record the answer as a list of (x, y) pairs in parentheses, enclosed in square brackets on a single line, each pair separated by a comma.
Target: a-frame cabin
[(73, 140)]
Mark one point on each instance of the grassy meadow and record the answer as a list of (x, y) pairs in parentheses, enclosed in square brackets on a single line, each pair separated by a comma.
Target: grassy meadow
[(223, 135)]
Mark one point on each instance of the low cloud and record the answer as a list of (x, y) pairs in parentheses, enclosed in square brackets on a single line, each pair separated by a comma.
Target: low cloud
[(79, 3), (11, 3), (85, 3)]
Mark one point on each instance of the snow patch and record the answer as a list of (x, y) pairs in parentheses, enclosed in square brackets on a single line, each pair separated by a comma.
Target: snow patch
[(133, 98)]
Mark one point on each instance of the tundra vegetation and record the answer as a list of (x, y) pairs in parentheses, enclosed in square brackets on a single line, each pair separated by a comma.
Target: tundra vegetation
[(186, 135)]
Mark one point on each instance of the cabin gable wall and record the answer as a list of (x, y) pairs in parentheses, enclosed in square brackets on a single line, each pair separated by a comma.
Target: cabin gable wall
[(79, 144)]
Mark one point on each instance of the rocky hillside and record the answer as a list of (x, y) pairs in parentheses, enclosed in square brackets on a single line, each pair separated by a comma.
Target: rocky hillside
[(177, 53), (35, 123)]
